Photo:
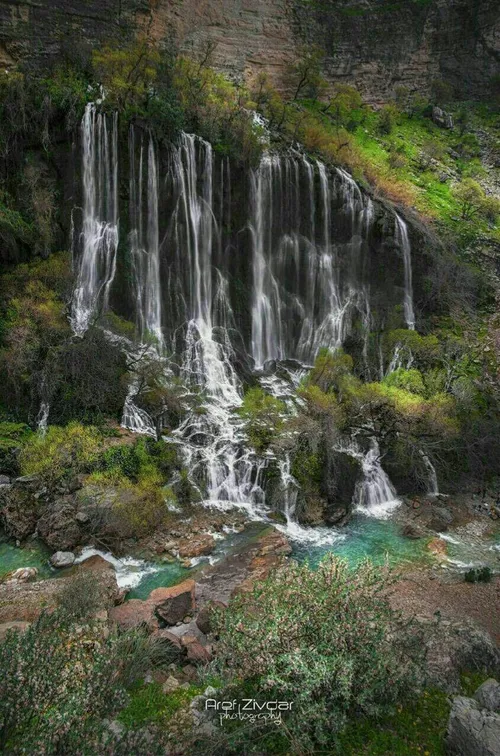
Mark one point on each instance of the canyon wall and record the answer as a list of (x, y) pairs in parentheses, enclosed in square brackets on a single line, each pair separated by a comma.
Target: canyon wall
[(375, 44)]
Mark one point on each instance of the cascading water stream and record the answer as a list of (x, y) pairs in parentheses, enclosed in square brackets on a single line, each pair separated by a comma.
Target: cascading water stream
[(214, 442), (95, 263), (144, 242), (403, 240)]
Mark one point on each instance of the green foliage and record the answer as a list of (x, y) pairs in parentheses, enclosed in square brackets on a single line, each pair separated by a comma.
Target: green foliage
[(81, 596), (306, 73), (12, 437), (416, 728), (473, 201), (59, 681), (330, 368), (387, 119), (410, 380), (326, 640), (149, 704), (61, 452), (264, 416), (478, 575), (127, 74)]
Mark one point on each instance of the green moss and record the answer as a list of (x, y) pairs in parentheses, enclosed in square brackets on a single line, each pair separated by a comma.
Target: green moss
[(149, 704)]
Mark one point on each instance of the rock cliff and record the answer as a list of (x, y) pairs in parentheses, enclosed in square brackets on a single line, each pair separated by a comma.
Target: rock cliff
[(375, 44)]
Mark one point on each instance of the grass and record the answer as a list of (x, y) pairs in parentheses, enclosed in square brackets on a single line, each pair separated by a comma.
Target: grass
[(149, 704), (392, 163)]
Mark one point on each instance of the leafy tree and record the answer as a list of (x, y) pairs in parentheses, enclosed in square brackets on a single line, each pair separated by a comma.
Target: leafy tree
[(474, 201), (306, 73), (441, 92), (264, 415), (342, 103), (126, 74)]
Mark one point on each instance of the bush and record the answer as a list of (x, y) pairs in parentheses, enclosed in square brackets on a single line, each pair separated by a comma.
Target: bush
[(264, 415), (326, 640), (12, 437), (478, 575), (61, 453), (59, 681)]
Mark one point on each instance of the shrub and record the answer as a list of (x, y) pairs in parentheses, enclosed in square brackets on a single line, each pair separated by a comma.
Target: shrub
[(59, 681), (410, 380), (264, 415), (61, 453), (478, 575), (12, 437), (326, 640)]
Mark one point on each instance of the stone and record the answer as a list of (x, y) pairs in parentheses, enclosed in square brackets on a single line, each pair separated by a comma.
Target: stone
[(412, 531), (19, 508), (169, 545), (58, 527), (171, 605), (441, 118), (171, 641), (195, 651), (62, 559), (488, 695), (16, 625), (204, 620), (82, 518), (170, 684), (472, 731), (455, 647), (132, 614), (200, 545), (96, 563), (438, 547), (4, 480), (21, 575)]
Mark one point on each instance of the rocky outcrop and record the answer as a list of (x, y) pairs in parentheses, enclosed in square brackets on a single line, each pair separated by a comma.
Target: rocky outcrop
[(376, 46), (25, 602), (167, 606), (472, 730), (19, 506)]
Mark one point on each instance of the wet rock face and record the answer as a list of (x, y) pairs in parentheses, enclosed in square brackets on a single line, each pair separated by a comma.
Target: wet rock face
[(376, 46)]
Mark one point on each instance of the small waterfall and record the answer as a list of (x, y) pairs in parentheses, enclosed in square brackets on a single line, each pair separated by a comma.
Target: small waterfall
[(95, 263), (433, 489), (375, 495), (42, 418), (144, 242), (403, 240)]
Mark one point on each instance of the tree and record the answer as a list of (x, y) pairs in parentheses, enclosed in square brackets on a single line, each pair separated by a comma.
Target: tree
[(341, 104), (474, 201), (306, 73)]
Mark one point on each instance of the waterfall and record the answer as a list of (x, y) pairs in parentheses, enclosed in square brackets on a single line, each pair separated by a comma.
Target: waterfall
[(95, 263), (213, 442), (43, 418), (375, 495), (403, 240), (144, 242), (433, 489), (308, 279)]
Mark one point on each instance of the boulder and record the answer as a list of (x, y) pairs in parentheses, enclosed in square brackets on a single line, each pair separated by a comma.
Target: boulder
[(170, 641), (16, 626), (62, 559), (4, 480), (488, 695), (132, 614), (204, 620), (441, 118), (58, 527), (195, 651), (456, 647), (472, 731), (19, 507), (200, 545), (173, 604), (412, 531), (21, 575), (170, 684)]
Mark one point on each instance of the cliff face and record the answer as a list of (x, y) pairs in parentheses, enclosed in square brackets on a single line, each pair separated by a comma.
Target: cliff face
[(375, 44)]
